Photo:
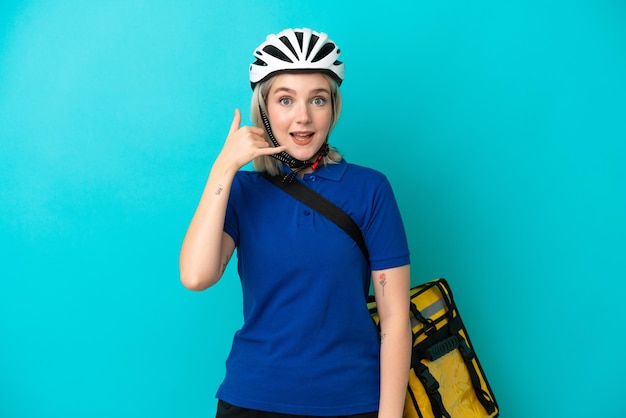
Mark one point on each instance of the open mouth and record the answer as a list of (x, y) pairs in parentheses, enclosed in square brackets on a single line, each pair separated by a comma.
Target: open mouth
[(302, 136)]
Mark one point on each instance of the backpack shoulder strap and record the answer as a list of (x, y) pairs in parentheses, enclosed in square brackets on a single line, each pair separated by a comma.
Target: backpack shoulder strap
[(323, 206)]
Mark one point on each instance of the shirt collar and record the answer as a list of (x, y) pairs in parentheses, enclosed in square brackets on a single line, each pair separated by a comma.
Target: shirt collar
[(333, 171)]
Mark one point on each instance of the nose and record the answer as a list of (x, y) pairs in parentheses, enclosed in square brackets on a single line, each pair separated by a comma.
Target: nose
[(303, 113)]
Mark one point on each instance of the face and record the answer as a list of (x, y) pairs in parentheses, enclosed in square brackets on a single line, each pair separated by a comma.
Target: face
[(299, 109)]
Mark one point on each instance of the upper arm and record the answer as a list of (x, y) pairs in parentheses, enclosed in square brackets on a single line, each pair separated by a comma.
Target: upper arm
[(391, 290), (202, 275)]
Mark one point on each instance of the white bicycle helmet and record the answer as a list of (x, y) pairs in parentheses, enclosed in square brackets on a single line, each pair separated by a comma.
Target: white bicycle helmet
[(296, 50)]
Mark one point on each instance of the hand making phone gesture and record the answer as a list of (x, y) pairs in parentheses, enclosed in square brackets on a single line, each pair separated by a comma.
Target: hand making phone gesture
[(243, 144)]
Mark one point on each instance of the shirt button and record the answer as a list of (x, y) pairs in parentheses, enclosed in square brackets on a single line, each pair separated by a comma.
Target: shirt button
[(307, 212), (312, 178)]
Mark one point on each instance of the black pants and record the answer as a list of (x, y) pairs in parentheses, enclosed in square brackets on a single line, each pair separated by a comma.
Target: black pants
[(226, 410)]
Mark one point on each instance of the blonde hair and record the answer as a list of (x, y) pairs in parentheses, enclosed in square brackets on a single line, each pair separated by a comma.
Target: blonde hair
[(270, 164)]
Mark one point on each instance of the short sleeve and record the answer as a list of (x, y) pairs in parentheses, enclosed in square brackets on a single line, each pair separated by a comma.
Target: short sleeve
[(231, 223), (384, 232)]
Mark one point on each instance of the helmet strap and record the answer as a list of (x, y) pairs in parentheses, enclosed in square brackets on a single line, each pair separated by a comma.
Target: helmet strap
[(294, 164)]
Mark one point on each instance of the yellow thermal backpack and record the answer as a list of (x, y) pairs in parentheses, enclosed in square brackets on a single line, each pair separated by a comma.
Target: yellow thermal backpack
[(446, 379)]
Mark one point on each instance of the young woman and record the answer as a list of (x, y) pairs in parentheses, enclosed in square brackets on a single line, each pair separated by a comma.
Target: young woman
[(308, 346)]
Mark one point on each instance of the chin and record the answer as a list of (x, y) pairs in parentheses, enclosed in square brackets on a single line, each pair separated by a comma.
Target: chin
[(303, 155)]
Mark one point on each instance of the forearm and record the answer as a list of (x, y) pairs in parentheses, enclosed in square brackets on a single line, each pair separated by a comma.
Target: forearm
[(395, 359), (203, 257)]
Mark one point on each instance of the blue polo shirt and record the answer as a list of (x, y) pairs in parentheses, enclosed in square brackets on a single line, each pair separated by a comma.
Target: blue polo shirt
[(308, 345)]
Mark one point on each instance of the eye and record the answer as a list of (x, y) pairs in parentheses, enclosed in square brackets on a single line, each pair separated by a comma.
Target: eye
[(319, 101), (285, 101)]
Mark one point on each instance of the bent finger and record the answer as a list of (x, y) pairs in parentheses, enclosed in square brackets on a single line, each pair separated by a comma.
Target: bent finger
[(272, 150)]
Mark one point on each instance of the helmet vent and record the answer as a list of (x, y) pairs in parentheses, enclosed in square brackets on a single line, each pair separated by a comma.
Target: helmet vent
[(300, 37), (260, 62), (277, 53), (323, 52), (314, 39), (288, 44)]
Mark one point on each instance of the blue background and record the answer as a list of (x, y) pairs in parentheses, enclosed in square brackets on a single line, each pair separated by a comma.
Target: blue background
[(501, 126)]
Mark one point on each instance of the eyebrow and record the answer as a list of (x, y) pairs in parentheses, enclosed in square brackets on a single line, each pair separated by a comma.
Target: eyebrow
[(291, 91)]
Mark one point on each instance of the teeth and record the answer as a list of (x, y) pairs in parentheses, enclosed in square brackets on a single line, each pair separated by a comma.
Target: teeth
[(302, 136)]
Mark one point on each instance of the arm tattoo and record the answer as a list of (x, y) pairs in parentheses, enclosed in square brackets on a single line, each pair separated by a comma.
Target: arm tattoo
[(382, 338), (382, 279), (225, 264), (219, 189)]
